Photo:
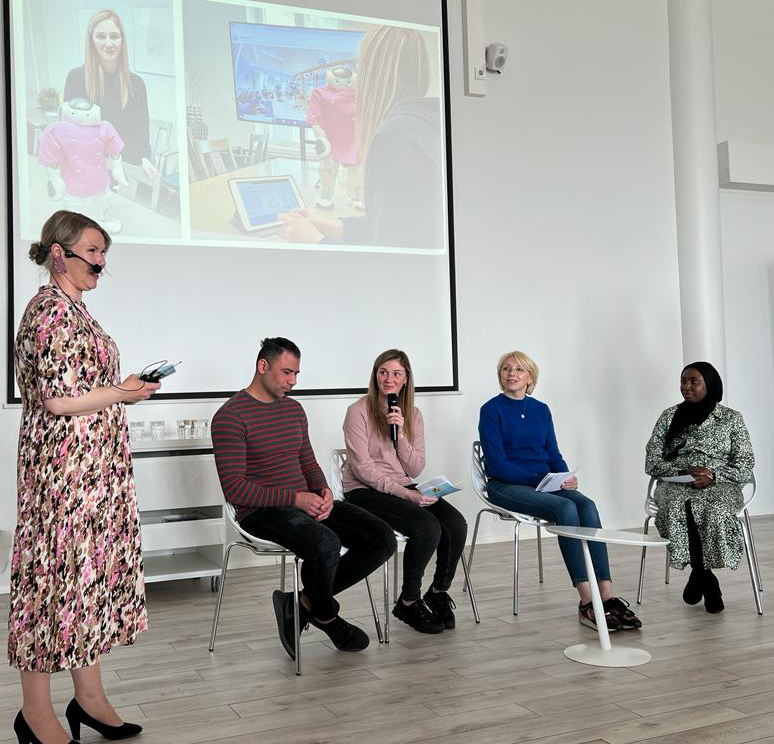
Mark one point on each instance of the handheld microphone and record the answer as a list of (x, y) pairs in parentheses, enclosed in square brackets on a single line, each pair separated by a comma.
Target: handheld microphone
[(95, 268), (392, 400)]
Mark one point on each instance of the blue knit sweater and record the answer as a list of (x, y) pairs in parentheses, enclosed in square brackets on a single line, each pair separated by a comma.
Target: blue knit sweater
[(519, 450)]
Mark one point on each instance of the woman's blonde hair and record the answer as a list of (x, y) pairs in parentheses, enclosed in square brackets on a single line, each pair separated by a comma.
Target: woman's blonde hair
[(64, 228), (525, 361), (94, 74), (393, 65), (376, 414)]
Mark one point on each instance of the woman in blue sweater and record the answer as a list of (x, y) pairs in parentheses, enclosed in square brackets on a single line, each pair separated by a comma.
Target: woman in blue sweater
[(519, 444)]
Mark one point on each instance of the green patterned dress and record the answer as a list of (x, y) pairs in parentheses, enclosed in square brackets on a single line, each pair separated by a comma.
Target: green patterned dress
[(722, 444)]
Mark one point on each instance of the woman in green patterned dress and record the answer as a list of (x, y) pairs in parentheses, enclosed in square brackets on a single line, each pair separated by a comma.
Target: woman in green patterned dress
[(704, 439)]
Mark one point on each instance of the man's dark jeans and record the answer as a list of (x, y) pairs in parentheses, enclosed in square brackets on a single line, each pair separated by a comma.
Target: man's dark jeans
[(325, 572)]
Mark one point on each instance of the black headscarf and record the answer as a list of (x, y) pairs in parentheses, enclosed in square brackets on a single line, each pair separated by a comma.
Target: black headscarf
[(688, 414)]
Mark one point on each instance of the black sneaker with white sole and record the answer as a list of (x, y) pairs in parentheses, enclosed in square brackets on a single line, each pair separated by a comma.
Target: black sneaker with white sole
[(619, 607), (586, 617), (419, 616)]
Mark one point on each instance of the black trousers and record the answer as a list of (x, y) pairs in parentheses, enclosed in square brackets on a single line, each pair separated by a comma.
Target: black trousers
[(439, 528), (694, 540), (325, 572)]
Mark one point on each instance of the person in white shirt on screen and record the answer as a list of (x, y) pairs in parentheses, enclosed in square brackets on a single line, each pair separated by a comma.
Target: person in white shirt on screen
[(400, 140)]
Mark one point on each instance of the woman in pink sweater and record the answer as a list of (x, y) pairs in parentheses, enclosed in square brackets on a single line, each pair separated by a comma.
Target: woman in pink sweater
[(378, 477)]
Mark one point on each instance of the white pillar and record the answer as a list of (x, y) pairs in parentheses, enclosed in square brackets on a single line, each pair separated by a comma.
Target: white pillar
[(692, 87)]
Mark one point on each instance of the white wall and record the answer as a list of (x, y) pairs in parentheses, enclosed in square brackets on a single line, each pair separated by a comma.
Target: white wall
[(565, 243), (744, 67)]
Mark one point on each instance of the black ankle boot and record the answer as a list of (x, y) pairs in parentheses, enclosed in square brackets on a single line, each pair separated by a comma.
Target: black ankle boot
[(694, 589), (713, 597), (77, 715), (24, 732)]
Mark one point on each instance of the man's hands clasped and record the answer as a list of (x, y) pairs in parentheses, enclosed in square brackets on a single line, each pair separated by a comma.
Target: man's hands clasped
[(315, 506)]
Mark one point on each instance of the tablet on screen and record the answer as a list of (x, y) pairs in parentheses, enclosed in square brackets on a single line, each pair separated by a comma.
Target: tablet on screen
[(259, 201)]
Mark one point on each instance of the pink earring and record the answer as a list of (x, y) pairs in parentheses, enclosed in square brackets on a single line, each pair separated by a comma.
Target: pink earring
[(59, 265)]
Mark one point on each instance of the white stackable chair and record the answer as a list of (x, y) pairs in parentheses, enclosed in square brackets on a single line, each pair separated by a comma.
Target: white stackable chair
[(478, 476), (266, 547), (338, 460), (748, 490)]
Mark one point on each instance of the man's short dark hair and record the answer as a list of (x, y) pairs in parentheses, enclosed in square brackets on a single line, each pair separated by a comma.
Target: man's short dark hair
[(271, 348)]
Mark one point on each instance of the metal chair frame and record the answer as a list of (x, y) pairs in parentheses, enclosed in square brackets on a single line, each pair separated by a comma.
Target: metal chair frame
[(265, 547), (480, 486), (651, 509), (338, 460)]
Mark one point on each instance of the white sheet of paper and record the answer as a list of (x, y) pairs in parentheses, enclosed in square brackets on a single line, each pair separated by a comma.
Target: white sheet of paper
[(553, 481), (678, 479)]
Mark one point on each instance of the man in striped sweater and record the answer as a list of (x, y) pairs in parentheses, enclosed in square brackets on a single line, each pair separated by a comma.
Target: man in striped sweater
[(268, 471)]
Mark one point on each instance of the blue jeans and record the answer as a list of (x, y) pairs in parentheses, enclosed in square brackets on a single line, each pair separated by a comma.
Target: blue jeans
[(569, 508)]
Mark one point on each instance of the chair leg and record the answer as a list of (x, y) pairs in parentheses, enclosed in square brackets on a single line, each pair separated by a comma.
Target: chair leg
[(472, 548), (641, 582), (373, 610), (754, 551), (387, 601), (516, 568), (296, 615), (476, 616), (750, 565), (540, 555), (395, 592), (219, 601), (282, 573)]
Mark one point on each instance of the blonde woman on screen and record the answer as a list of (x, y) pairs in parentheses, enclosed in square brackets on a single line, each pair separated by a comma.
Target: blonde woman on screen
[(105, 79), (400, 140)]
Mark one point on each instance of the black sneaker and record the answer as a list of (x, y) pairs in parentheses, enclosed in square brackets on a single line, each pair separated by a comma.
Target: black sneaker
[(419, 616), (441, 605), (619, 607), (345, 636), (586, 617), (283, 611)]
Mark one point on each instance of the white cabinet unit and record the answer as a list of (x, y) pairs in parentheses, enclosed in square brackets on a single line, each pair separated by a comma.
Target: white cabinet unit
[(181, 509)]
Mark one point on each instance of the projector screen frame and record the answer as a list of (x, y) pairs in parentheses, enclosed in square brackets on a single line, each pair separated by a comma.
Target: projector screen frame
[(13, 399)]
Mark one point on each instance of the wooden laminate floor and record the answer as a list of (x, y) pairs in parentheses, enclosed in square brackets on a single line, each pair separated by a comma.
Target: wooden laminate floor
[(506, 680)]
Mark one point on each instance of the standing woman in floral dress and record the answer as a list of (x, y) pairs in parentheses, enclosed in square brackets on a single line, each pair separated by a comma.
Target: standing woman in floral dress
[(77, 585)]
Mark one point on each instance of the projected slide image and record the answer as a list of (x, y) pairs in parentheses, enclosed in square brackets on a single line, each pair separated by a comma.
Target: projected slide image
[(100, 125), (350, 110)]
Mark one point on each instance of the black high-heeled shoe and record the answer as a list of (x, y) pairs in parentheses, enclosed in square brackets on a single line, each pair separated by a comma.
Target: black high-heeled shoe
[(24, 732), (77, 715)]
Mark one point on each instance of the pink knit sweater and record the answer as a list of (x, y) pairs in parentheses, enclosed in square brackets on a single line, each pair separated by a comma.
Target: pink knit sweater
[(373, 461)]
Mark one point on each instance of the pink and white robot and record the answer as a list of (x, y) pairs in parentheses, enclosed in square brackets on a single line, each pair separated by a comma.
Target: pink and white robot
[(331, 114), (81, 153)]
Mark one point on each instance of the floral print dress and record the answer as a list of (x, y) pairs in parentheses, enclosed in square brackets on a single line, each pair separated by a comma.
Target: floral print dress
[(722, 444), (77, 585)]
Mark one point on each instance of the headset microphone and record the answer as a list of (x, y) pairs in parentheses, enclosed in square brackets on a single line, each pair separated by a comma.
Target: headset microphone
[(392, 400), (96, 268)]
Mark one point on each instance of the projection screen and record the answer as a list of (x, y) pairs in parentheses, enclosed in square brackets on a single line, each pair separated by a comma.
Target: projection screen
[(263, 168)]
